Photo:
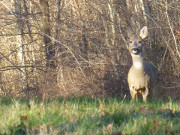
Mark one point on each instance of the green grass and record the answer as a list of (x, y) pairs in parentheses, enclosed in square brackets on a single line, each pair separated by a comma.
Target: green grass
[(86, 116)]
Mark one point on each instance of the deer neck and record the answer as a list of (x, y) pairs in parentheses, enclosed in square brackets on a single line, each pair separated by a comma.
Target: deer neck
[(138, 61)]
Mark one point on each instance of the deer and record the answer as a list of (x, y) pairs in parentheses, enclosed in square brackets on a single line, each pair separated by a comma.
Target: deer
[(142, 76)]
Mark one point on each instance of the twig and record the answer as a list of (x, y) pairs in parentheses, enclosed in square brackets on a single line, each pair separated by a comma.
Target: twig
[(171, 28), (11, 62)]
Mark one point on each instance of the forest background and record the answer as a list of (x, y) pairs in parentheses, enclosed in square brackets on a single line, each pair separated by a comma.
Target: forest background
[(52, 48)]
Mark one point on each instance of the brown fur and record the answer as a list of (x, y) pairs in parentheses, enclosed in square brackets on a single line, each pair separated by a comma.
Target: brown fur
[(142, 77)]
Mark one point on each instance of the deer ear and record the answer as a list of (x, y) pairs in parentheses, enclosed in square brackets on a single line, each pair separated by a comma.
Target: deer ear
[(130, 33), (143, 32)]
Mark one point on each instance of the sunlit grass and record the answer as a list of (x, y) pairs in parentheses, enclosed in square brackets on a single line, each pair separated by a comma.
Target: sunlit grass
[(83, 116)]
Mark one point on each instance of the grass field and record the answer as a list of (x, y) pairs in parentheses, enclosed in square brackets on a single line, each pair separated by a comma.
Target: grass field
[(86, 116)]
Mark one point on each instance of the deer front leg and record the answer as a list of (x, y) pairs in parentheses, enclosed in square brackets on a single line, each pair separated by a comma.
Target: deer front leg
[(133, 93), (144, 94)]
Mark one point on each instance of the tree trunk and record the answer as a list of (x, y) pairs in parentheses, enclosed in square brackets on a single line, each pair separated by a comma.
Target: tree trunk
[(31, 46), (112, 19), (20, 24), (50, 50), (84, 44)]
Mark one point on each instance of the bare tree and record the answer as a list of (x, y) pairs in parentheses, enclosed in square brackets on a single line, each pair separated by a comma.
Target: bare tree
[(50, 50), (20, 25), (88, 42)]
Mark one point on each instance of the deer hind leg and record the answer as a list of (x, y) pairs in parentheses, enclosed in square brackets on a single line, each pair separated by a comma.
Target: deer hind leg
[(155, 91)]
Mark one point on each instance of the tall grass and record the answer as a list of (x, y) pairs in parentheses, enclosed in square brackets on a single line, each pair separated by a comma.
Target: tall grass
[(86, 116)]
